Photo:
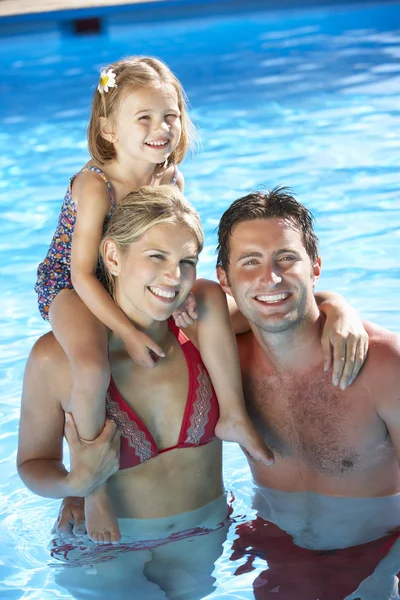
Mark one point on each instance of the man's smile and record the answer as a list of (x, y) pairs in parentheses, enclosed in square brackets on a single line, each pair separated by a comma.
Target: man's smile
[(275, 298)]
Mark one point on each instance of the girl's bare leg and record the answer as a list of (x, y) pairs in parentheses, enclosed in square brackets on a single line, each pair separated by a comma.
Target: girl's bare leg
[(219, 352), (84, 340)]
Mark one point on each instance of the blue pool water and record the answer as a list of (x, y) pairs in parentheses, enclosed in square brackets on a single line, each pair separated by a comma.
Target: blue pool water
[(308, 99)]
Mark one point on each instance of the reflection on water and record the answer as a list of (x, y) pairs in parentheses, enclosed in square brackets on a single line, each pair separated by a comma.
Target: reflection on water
[(317, 547), (169, 557)]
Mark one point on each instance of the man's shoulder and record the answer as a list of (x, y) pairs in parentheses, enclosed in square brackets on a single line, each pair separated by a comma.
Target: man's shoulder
[(382, 342), (245, 340), (250, 352), (383, 360)]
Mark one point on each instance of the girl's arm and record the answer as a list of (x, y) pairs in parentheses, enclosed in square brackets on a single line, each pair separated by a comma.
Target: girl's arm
[(344, 339), (92, 201), (218, 348), (213, 323), (41, 430)]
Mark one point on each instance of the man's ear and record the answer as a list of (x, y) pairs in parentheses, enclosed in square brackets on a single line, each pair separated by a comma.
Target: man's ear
[(223, 280), (106, 131), (316, 269), (112, 257)]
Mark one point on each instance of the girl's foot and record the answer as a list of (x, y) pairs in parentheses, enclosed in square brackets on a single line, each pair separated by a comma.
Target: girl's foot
[(101, 523), (245, 434)]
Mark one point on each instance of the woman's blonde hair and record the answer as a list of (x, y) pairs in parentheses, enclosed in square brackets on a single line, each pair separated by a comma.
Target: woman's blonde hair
[(133, 73), (142, 209)]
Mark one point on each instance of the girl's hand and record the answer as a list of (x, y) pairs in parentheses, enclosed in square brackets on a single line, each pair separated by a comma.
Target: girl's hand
[(186, 314), (344, 340), (142, 350)]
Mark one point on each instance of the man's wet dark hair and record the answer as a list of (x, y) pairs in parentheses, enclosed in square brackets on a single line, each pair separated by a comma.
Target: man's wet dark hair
[(276, 203)]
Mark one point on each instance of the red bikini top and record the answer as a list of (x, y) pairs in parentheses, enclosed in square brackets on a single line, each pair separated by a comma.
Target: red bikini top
[(199, 419)]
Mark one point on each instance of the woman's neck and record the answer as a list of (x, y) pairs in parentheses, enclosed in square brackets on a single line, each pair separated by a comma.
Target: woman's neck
[(158, 331)]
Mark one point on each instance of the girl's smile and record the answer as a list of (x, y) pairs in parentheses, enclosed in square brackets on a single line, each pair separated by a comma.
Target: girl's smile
[(147, 124)]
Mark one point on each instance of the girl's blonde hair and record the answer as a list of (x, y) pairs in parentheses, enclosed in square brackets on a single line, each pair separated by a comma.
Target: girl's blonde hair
[(131, 73), (142, 209)]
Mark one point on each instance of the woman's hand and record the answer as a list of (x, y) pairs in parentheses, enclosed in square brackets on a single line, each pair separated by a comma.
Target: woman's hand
[(345, 341), (92, 463), (141, 348), (186, 314)]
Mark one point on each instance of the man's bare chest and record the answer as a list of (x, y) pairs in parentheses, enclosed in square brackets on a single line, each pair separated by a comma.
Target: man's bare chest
[(310, 420)]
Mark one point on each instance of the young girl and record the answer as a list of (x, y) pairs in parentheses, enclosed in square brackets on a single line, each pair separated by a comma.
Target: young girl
[(139, 131)]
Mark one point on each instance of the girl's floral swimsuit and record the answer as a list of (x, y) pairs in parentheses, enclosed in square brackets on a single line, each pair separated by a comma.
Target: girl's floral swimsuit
[(54, 273)]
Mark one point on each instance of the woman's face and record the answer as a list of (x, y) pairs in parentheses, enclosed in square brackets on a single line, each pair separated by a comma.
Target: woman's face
[(157, 272)]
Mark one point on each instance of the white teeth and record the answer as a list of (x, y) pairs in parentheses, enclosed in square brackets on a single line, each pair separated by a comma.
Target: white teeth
[(271, 298), (162, 293), (161, 143)]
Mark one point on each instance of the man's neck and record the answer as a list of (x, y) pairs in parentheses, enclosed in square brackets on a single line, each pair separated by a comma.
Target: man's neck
[(296, 348)]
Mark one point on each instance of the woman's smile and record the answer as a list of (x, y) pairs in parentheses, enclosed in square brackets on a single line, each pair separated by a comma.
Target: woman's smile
[(164, 293)]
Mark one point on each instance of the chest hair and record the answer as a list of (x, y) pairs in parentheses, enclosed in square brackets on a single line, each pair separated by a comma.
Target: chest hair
[(308, 419)]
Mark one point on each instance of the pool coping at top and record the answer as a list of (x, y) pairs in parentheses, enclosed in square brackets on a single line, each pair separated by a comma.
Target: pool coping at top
[(60, 15)]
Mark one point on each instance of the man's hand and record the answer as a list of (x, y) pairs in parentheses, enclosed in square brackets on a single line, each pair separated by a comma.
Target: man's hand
[(345, 333), (71, 518), (92, 463), (377, 588)]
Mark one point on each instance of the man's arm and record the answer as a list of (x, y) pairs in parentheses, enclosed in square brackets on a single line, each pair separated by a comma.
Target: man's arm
[(384, 365), (42, 425)]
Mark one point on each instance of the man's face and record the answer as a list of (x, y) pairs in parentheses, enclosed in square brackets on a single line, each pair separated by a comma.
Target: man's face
[(271, 276)]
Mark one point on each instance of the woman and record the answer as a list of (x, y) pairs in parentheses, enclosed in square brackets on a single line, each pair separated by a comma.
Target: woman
[(170, 462)]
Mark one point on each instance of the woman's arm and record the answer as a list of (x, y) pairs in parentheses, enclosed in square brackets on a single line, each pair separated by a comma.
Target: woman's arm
[(92, 201), (41, 430)]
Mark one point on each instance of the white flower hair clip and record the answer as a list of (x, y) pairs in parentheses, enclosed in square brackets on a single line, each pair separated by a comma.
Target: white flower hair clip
[(107, 80)]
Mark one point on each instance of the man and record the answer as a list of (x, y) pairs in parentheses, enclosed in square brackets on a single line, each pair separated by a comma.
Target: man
[(333, 442), (335, 481)]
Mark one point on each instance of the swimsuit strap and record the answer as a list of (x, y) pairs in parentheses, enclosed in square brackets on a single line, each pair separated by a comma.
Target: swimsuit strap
[(104, 178), (175, 176)]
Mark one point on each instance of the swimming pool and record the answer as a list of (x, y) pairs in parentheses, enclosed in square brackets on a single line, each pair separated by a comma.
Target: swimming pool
[(304, 98)]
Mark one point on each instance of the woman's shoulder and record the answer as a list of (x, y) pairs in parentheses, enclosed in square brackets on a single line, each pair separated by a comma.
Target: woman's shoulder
[(47, 362)]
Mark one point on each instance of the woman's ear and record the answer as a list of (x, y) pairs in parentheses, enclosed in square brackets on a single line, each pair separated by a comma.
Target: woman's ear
[(106, 130), (112, 257)]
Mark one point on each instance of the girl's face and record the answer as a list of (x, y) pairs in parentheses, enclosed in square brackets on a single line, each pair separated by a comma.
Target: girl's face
[(156, 274), (146, 125)]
